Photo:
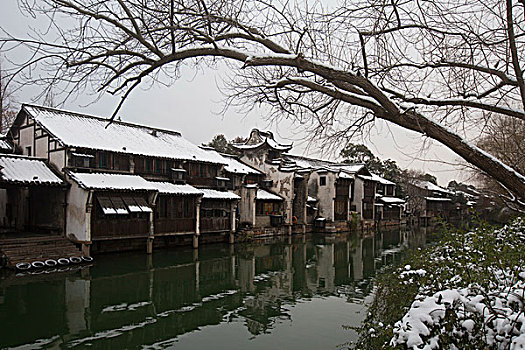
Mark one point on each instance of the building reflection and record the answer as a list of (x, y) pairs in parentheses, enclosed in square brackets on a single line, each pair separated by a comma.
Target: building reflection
[(133, 299)]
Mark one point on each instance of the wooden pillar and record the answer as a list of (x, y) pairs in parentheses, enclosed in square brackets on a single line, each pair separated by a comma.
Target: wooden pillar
[(233, 215), (197, 223), (151, 232), (86, 249), (89, 210)]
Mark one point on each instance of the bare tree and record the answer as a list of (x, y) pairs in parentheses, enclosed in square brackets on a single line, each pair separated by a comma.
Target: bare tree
[(435, 67), (505, 139), (7, 111)]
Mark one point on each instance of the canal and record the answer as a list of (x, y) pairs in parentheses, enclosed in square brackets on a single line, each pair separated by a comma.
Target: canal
[(292, 292)]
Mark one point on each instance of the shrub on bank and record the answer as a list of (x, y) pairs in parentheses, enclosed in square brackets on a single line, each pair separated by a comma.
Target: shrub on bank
[(466, 292)]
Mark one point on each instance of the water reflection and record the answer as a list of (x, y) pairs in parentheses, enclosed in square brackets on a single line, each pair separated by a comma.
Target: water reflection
[(127, 301)]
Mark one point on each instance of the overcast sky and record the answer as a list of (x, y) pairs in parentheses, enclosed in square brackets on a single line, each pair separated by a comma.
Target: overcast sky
[(192, 105)]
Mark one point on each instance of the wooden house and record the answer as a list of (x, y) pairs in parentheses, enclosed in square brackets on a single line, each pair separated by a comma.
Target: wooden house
[(311, 188), (338, 189), (263, 153), (388, 208), (427, 201), (104, 161), (32, 197), (283, 180)]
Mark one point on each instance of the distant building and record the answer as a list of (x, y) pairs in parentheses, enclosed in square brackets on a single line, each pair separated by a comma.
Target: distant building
[(427, 201)]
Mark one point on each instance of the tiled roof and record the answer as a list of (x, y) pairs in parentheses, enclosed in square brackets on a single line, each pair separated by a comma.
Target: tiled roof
[(214, 194), (104, 181), (79, 130), (391, 200), (25, 170), (265, 195), (171, 188), (237, 167)]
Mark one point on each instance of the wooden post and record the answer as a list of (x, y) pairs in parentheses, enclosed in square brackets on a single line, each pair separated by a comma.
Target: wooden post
[(149, 246), (86, 249), (233, 215), (197, 223), (151, 233), (89, 209)]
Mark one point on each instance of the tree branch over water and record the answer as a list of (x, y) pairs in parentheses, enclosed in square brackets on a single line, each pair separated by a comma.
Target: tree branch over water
[(429, 67)]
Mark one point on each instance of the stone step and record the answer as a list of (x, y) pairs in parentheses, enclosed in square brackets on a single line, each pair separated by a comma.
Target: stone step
[(37, 248)]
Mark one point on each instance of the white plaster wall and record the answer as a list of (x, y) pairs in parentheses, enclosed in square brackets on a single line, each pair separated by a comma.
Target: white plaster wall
[(359, 193), (76, 222), (57, 159), (282, 181), (324, 194), (26, 139), (283, 185), (247, 205), (41, 147)]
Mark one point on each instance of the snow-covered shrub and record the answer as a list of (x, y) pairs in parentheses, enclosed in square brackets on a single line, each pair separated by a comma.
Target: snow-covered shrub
[(467, 292)]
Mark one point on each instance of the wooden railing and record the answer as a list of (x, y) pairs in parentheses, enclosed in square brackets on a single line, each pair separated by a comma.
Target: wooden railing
[(391, 213), (165, 225), (215, 224), (119, 228), (201, 181)]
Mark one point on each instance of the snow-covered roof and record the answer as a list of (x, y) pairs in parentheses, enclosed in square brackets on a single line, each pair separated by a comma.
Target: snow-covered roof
[(391, 200), (4, 145), (309, 163), (466, 194), (235, 166), (104, 181), (346, 171), (271, 143), (171, 188), (259, 138), (214, 194), (350, 168), (311, 199), (25, 170), (438, 199), (345, 175), (79, 130), (381, 180), (265, 195), (431, 187)]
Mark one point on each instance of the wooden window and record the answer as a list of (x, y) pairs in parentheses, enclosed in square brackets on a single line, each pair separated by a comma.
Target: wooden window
[(103, 160), (188, 207), (194, 169), (149, 165), (28, 151), (164, 204), (179, 207), (322, 181), (158, 166), (265, 208)]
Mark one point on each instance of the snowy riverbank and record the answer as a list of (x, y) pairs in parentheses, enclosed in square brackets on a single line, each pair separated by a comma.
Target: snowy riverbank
[(467, 292)]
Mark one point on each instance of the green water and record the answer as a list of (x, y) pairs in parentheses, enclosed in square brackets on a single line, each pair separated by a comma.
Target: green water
[(287, 293)]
